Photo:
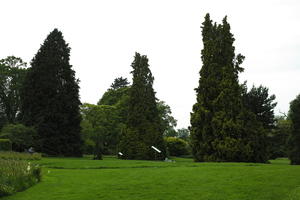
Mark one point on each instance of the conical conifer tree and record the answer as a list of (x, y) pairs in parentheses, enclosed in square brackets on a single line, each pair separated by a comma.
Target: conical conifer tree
[(143, 125), (50, 98), (228, 103), (220, 126), (201, 118)]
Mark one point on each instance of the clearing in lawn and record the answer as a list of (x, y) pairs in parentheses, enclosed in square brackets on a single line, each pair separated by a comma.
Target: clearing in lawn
[(113, 179)]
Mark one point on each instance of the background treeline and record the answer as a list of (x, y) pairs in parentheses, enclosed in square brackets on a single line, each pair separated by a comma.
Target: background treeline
[(104, 124), (40, 108)]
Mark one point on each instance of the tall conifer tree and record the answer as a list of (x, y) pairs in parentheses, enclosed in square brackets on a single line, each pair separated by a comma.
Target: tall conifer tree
[(143, 124), (51, 98), (294, 140), (201, 126), (220, 126)]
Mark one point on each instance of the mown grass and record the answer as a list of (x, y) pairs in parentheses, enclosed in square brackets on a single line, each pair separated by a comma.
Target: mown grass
[(111, 179)]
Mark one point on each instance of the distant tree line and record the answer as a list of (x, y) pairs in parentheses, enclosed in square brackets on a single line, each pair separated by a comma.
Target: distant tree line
[(40, 107)]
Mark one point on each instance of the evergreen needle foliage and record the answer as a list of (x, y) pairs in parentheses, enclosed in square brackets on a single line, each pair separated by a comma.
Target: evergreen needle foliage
[(294, 140), (50, 99), (222, 129), (143, 127)]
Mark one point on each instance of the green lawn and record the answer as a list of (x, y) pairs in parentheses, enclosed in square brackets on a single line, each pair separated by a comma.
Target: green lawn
[(113, 179)]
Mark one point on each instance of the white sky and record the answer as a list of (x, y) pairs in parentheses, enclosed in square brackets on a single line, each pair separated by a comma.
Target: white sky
[(104, 35)]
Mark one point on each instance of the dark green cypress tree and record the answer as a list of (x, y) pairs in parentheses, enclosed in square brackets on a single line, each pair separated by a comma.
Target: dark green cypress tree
[(143, 125), (294, 140), (50, 98), (221, 129), (227, 106), (201, 126)]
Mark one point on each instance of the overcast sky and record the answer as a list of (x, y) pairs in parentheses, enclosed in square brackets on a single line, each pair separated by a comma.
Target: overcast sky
[(104, 35)]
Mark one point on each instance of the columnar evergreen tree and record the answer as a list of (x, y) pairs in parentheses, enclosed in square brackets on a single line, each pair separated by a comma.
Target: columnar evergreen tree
[(201, 126), (294, 140), (50, 99), (219, 123), (227, 105), (143, 124)]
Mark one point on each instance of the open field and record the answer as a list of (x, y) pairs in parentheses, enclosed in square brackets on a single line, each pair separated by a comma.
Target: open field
[(112, 179)]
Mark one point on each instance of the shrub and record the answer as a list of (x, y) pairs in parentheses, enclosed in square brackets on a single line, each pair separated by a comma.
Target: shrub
[(5, 145), (17, 175), (22, 137), (176, 146)]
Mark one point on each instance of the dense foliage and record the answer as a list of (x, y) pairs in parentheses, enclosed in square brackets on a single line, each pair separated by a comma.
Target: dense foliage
[(176, 146), (294, 140), (258, 101), (12, 73), (143, 127), (50, 99), (278, 138), (22, 137), (119, 97), (100, 128), (5, 145), (183, 133), (114, 96), (222, 128), (168, 122), (16, 174)]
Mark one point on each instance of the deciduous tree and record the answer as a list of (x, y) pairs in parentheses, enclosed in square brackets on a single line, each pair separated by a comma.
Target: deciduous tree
[(12, 74)]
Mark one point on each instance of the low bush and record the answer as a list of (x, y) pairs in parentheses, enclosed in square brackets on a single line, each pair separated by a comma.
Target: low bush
[(5, 145), (17, 175), (176, 146)]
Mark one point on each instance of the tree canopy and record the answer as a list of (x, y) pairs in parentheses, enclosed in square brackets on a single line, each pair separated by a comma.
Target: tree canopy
[(104, 127), (12, 73)]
